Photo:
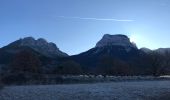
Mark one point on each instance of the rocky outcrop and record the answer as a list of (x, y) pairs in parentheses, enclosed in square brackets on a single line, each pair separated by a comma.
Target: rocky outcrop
[(40, 45), (113, 40), (146, 50)]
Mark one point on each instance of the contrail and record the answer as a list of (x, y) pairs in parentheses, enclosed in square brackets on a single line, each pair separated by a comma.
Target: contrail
[(98, 19)]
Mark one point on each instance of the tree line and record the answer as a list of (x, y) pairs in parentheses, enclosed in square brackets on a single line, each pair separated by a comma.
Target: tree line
[(27, 66)]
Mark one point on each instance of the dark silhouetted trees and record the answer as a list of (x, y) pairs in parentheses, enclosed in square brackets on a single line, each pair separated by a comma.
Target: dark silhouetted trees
[(156, 63), (113, 66), (25, 66), (69, 68), (165, 69), (1, 85), (26, 61)]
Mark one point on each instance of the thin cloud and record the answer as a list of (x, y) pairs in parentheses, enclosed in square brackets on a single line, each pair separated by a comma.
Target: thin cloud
[(98, 19)]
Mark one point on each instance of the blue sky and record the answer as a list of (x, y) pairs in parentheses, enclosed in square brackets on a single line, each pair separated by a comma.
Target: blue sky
[(76, 25)]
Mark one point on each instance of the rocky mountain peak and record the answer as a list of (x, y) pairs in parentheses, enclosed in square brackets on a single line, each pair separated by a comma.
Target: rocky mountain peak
[(41, 40), (115, 40), (40, 45), (146, 50), (28, 41)]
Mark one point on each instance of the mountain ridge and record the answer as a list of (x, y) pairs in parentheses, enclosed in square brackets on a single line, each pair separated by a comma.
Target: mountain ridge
[(40, 45), (113, 48)]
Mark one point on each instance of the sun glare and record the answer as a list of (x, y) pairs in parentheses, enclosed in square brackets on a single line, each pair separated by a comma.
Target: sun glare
[(140, 40), (132, 39)]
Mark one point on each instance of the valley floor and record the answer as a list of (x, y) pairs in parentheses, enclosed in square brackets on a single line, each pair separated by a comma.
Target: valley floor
[(139, 90)]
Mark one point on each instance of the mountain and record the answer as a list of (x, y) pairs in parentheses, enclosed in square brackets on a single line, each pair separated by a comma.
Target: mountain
[(116, 40), (112, 55), (159, 50), (40, 45), (146, 50), (162, 50), (112, 46), (48, 53)]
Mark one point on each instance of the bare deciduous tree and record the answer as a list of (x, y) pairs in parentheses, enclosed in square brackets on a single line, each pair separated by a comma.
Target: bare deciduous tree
[(155, 61)]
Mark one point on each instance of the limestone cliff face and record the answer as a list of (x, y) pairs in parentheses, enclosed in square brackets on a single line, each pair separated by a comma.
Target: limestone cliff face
[(116, 40), (40, 45)]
